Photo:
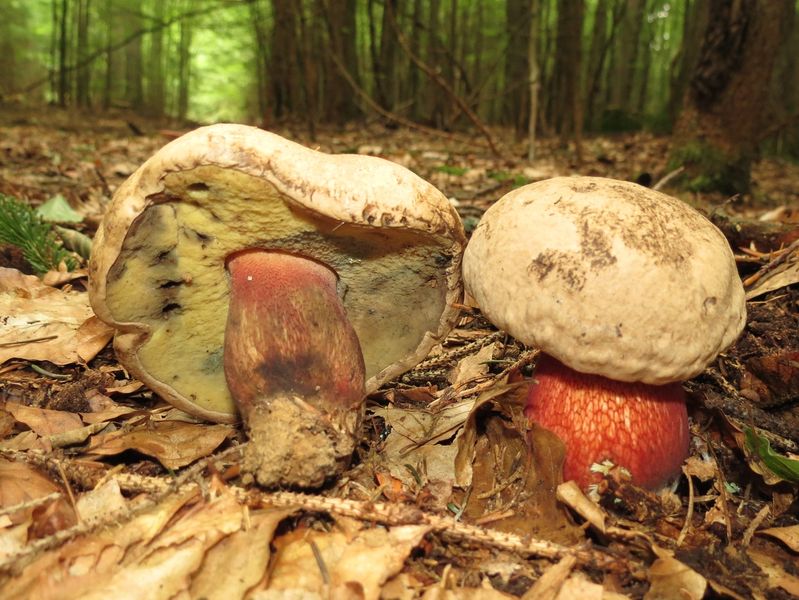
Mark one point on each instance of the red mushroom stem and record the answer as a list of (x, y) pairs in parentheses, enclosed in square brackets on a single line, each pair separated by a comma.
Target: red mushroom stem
[(641, 427), (294, 366)]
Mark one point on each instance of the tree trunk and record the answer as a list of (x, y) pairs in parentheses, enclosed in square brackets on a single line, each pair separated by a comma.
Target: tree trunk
[(535, 84), (517, 71), (342, 36), (718, 132), (63, 73), (134, 90), (259, 24), (83, 78), (621, 85), (568, 115), (108, 79), (184, 68), (694, 23), (285, 55), (155, 70)]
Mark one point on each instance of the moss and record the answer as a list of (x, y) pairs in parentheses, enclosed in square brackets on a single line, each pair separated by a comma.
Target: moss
[(708, 169)]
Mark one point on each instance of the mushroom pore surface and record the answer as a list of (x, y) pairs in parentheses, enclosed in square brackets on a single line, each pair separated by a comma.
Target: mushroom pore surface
[(158, 274)]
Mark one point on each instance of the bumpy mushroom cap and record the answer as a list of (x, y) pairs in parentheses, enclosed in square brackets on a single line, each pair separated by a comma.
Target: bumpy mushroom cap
[(609, 277), (157, 272)]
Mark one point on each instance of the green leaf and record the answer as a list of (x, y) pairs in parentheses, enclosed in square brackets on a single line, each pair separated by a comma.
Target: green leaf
[(783, 467), (58, 210)]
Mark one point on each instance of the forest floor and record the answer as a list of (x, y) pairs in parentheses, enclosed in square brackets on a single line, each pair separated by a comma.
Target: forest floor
[(106, 490)]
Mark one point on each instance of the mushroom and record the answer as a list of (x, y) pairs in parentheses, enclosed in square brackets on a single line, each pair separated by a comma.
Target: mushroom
[(628, 292), (244, 271)]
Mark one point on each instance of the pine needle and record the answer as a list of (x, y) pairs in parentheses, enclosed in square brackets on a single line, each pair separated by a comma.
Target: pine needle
[(20, 226)]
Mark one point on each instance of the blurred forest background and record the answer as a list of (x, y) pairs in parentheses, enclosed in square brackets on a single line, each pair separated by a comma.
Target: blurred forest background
[(721, 76)]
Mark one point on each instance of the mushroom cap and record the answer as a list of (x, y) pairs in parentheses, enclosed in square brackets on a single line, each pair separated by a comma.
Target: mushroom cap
[(609, 277), (157, 271)]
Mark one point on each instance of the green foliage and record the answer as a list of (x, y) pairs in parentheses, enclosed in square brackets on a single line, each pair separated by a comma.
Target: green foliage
[(20, 226), (784, 468), (450, 170), (503, 176)]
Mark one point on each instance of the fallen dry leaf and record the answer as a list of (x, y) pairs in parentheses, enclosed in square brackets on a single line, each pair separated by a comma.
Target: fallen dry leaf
[(20, 484), (472, 366), (43, 421), (159, 554), (173, 443), (45, 323), (787, 535), (673, 580), (551, 580), (102, 501), (314, 561)]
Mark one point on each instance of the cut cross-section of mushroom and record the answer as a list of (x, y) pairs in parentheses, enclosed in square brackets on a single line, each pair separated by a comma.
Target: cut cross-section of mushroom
[(372, 251)]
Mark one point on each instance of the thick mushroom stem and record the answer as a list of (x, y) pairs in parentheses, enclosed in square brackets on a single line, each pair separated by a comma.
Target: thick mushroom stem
[(643, 428), (294, 366)]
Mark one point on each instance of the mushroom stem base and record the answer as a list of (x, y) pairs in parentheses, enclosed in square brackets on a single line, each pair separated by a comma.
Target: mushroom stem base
[(294, 366), (315, 448)]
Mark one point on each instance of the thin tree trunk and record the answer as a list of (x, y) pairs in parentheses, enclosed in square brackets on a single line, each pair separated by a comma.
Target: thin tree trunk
[(535, 84), (63, 81), (184, 68), (83, 75), (155, 70)]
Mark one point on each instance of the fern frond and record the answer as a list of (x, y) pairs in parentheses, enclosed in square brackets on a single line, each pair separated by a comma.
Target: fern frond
[(20, 226)]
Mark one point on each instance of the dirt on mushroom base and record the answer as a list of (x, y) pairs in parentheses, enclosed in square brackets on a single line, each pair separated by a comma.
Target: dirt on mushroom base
[(728, 498)]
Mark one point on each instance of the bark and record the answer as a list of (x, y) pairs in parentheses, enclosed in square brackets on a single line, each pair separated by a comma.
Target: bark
[(717, 134), (83, 75), (63, 72), (134, 90), (184, 68), (517, 28), (284, 57), (624, 72), (568, 115), (155, 69), (339, 16), (694, 23), (535, 84), (259, 24)]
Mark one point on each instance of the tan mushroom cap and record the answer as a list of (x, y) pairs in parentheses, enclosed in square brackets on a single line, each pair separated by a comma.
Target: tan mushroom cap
[(157, 272), (609, 277)]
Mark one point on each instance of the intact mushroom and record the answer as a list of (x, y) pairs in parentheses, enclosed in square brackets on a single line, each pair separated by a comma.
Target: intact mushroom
[(244, 272), (628, 292)]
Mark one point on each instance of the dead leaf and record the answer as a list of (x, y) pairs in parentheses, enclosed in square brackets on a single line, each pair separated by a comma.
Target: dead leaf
[(572, 496), (419, 438), (514, 470), (472, 366), (159, 554), (551, 580), (787, 535), (173, 443), (19, 484), (102, 501), (787, 273), (44, 323), (317, 560), (43, 421), (673, 580)]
